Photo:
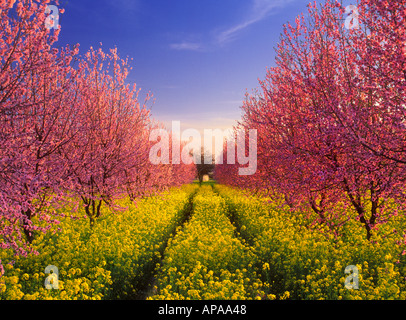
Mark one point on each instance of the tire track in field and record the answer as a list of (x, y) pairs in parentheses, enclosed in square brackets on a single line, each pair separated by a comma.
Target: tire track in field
[(202, 243), (232, 215), (147, 289)]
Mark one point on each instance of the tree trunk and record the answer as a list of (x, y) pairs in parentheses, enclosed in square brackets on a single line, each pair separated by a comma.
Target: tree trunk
[(368, 223), (92, 210), (28, 233), (357, 203), (288, 201), (318, 211)]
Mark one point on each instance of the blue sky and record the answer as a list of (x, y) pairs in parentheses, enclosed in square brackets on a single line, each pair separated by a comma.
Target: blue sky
[(197, 57)]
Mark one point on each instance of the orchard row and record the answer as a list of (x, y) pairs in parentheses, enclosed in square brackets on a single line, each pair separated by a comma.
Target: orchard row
[(114, 259), (331, 114), (72, 129)]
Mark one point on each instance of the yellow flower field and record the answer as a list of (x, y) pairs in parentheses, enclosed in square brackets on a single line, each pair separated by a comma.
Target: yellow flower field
[(209, 243), (206, 260), (112, 260), (309, 261)]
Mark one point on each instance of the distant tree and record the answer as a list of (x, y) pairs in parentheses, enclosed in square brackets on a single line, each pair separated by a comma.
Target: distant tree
[(203, 166)]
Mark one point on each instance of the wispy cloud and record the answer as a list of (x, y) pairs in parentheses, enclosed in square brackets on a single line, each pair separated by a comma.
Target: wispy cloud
[(190, 46), (260, 10)]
